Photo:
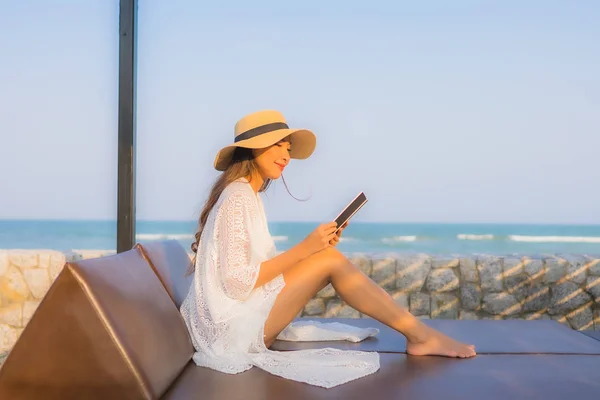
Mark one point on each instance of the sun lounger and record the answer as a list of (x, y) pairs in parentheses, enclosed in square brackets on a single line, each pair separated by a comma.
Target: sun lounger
[(109, 328)]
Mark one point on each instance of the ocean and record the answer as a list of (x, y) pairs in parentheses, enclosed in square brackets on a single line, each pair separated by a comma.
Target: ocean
[(359, 237)]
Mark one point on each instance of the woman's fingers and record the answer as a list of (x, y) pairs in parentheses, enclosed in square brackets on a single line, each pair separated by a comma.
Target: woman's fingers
[(334, 239), (331, 230), (332, 233)]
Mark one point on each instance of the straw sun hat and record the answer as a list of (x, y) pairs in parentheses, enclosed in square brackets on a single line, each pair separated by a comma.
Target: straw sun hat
[(263, 129)]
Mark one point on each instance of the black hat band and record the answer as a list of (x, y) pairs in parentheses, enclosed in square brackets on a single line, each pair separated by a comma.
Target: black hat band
[(260, 130)]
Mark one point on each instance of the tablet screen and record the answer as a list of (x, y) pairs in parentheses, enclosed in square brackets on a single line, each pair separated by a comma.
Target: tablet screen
[(351, 209)]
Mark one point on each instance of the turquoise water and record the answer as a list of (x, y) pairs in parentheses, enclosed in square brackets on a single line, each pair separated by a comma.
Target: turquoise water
[(358, 237)]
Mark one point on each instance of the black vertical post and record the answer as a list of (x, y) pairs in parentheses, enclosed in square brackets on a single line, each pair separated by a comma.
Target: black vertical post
[(127, 115)]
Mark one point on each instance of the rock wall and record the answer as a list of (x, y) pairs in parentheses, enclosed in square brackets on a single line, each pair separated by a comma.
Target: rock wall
[(565, 289)]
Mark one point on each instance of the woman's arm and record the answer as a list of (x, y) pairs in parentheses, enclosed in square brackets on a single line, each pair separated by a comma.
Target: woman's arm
[(240, 269), (280, 263), (318, 240)]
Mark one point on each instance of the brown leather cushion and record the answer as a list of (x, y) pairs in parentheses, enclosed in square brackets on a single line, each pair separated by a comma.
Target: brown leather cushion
[(592, 334), (170, 263), (405, 377), (105, 329), (488, 336)]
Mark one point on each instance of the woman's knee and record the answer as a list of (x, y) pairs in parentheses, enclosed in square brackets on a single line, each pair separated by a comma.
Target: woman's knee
[(334, 259)]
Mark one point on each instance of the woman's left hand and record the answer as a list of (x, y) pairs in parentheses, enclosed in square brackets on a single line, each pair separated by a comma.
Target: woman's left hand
[(336, 239)]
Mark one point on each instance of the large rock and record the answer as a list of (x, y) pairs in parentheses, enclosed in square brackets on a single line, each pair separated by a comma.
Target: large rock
[(467, 315), (512, 266), (593, 265), (518, 285), (44, 259), (420, 304), (581, 318), (442, 280), (57, 262), (23, 259), (538, 299), (8, 337), (556, 269), (490, 274), (411, 273), (566, 297), (533, 266), (401, 299), (384, 273), (363, 263), (335, 308), (444, 262), (576, 269), (501, 304), (592, 286), (38, 281), (12, 315), (444, 306), (536, 316), (468, 270), (13, 286), (470, 297), (3, 263), (314, 307), (327, 292)]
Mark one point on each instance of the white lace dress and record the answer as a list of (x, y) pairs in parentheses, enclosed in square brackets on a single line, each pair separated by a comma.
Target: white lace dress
[(225, 315)]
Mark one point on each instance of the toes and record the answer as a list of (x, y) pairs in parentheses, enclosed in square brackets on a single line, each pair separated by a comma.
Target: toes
[(468, 352)]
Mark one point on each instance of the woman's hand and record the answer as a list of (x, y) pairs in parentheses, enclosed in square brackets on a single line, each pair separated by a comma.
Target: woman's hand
[(320, 238), (336, 238)]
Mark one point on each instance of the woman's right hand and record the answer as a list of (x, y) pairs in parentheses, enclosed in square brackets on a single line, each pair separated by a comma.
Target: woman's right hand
[(319, 239)]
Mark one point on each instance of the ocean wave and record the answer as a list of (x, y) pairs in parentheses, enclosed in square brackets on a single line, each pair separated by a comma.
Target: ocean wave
[(467, 236), (554, 239), (164, 236), (280, 238), (397, 239)]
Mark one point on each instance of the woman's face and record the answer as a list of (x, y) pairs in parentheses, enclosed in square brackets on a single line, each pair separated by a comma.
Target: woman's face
[(272, 160)]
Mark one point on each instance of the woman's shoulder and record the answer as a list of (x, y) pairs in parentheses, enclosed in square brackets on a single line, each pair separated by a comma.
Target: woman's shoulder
[(239, 190)]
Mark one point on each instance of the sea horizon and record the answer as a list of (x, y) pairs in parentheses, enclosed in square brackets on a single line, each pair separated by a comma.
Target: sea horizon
[(359, 237)]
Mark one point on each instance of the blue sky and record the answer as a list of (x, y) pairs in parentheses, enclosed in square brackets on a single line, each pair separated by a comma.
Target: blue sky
[(463, 111)]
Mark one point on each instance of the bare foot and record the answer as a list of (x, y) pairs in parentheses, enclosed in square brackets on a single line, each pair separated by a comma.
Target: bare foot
[(435, 343)]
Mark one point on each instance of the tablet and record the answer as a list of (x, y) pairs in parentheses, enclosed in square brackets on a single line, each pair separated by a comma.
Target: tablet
[(350, 210)]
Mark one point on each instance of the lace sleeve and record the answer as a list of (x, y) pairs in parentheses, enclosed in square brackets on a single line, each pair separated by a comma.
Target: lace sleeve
[(238, 268)]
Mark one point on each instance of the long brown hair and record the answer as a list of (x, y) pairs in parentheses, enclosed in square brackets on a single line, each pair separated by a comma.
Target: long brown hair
[(242, 165)]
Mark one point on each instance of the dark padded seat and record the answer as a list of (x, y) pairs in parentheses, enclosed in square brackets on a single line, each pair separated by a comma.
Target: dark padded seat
[(488, 377), (170, 262), (488, 336), (592, 334)]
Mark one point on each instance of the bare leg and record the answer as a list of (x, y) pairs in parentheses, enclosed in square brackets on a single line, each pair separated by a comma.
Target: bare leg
[(309, 276)]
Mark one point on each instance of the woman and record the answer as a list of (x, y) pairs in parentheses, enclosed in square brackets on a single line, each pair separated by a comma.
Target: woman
[(244, 295)]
